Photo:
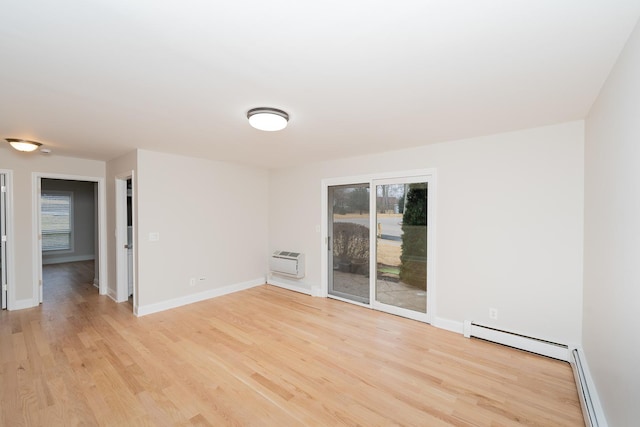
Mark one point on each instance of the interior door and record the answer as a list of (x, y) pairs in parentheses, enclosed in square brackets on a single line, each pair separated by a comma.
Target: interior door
[(125, 233), (349, 242), (130, 239), (400, 252), (3, 240)]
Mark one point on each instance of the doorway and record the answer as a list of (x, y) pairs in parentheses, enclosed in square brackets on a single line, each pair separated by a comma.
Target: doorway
[(63, 238), (3, 240), (126, 289), (68, 227), (379, 230)]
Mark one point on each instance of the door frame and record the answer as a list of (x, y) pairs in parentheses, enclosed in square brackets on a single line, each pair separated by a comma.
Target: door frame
[(373, 179), (37, 232), (122, 265), (9, 259)]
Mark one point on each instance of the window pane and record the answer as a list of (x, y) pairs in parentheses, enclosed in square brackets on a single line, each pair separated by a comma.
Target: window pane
[(401, 217), (349, 231), (51, 242), (56, 221)]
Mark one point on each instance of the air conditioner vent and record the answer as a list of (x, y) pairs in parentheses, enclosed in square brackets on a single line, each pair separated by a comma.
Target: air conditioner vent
[(289, 264)]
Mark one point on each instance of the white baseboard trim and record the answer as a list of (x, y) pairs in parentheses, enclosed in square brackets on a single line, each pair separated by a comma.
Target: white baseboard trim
[(143, 310), (21, 304), (96, 283), (589, 400), (111, 293), (63, 259), (447, 324), (281, 284)]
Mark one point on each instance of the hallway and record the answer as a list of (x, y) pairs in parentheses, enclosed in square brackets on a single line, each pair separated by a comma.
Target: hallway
[(67, 280)]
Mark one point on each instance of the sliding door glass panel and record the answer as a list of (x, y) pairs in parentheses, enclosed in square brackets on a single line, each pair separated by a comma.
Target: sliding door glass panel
[(349, 242), (401, 245)]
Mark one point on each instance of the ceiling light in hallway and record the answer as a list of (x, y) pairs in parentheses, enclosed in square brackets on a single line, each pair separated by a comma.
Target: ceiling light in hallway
[(23, 144)]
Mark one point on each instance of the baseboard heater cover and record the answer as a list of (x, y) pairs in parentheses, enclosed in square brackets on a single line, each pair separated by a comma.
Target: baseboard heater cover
[(591, 409), (519, 341)]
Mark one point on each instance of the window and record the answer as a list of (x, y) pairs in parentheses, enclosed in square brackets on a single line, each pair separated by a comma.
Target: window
[(57, 220)]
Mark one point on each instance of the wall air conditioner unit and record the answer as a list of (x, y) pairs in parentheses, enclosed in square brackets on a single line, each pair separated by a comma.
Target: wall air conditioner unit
[(289, 264)]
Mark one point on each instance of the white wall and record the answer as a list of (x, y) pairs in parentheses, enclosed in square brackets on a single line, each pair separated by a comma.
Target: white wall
[(84, 221), (509, 224), (612, 239), (212, 221), (23, 166)]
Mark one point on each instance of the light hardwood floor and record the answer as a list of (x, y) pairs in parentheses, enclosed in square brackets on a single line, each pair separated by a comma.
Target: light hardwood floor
[(266, 357)]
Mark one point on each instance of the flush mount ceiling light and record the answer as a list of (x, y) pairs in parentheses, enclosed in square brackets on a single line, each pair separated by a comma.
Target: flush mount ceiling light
[(23, 144), (269, 119)]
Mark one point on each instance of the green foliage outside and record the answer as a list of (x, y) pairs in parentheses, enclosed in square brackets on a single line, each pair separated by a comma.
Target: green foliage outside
[(413, 267)]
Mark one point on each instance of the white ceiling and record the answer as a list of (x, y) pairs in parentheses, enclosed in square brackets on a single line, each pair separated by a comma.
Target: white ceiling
[(98, 78)]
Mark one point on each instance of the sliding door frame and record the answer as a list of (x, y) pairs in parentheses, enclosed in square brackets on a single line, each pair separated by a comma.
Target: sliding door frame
[(373, 180)]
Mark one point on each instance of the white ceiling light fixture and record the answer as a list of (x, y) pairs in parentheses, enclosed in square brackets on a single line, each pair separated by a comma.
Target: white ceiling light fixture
[(268, 119), (23, 144)]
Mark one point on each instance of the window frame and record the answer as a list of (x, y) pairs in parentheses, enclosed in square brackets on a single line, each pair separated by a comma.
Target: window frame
[(68, 194)]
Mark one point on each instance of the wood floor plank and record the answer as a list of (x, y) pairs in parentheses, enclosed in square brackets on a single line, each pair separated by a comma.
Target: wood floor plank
[(261, 357)]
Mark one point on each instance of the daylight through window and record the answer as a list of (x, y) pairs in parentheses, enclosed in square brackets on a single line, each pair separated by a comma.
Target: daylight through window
[(57, 220)]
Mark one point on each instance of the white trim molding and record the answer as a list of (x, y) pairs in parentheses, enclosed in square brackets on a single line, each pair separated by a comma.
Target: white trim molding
[(62, 259), (12, 303), (589, 400), (285, 285), (200, 296), (112, 294), (447, 324), (21, 304)]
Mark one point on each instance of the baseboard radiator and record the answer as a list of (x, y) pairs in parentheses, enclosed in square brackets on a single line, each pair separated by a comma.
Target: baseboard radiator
[(591, 409), (519, 341)]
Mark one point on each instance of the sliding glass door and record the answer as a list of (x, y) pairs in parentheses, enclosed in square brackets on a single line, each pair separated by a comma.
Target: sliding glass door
[(401, 247), (377, 245), (349, 242)]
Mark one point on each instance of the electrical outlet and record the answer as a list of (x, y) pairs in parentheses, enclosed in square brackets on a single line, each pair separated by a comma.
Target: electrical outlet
[(192, 281), (493, 313)]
